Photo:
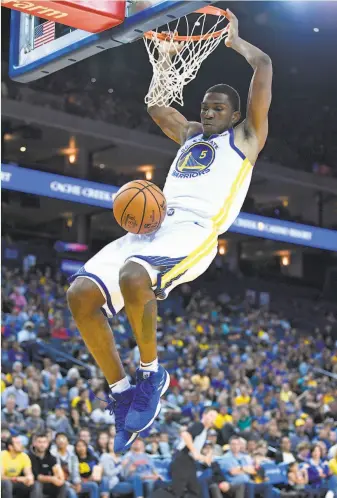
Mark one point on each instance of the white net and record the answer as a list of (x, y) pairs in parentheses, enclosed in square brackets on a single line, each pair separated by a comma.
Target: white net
[(175, 63)]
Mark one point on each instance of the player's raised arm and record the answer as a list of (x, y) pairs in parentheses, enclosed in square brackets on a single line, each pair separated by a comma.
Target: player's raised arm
[(171, 121), (259, 96)]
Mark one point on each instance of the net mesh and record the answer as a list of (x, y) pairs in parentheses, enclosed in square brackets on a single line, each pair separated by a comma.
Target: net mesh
[(178, 64)]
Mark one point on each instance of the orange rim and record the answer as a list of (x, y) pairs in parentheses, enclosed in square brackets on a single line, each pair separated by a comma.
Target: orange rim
[(209, 10)]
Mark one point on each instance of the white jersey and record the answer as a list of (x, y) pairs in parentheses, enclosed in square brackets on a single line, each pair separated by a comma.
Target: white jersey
[(210, 178)]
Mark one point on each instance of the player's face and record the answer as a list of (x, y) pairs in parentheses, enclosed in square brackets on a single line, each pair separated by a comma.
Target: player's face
[(216, 113)]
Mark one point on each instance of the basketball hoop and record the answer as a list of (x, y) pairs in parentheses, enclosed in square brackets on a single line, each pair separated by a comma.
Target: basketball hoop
[(183, 55)]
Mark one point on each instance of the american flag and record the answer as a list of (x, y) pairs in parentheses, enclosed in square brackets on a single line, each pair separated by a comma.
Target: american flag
[(44, 33)]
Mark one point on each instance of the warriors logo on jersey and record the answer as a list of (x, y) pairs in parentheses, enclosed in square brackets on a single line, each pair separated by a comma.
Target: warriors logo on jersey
[(195, 160)]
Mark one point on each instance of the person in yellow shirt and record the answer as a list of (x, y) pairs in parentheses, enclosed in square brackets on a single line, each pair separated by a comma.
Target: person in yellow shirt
[(223, 417), (333, 465), (243, 398), (16, 471), (201, 380), (285, 393), (84, 398)]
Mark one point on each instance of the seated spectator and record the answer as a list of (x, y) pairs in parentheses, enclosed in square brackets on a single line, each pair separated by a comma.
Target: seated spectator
[(47, 472), (212, 437), (299, 435), (66, 457), (85, 435), (10, 418), (137, 463), (17, 479), (102, 443), (59, 331), (297, 477), (303, 452), (27, 333), (318, 469), (91, 472), (220, 486), (238, 465), (102, 416), (34, 423), (112, 470), (59, 421), (21, 398), (223, 417), (83, 398), (285, 455)]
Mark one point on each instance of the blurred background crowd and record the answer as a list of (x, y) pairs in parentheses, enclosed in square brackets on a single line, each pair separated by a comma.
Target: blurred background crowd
[(270, 378)]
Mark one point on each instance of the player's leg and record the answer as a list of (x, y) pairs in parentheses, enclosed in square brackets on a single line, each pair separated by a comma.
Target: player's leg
[(85, 301), (163, 256), (152, 379), (94, 293)]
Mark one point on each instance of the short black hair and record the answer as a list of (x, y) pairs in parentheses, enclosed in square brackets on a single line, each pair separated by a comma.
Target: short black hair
[(41, 434), (61, 434), (232, 94)]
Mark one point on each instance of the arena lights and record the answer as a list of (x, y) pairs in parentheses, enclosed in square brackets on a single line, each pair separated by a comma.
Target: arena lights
[(285, 260), (316, 30), (23, 149), (222, 247), (148, 175), (72, 158)]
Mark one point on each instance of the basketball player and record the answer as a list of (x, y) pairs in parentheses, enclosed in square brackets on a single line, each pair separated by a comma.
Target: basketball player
[(205, 189)]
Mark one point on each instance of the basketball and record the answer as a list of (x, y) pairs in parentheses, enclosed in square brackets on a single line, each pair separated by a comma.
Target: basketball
[(139, 207)]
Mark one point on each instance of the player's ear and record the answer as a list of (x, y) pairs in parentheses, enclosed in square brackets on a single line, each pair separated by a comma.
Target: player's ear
[(236, 117)]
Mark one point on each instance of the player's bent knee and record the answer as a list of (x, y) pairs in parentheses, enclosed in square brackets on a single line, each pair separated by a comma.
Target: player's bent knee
[(84, 296), (133, 279)]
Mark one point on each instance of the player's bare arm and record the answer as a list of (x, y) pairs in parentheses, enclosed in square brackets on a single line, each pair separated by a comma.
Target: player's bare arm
[(172, 122), (259, 96)]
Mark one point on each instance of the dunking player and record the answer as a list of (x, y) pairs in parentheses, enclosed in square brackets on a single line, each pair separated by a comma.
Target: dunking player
[(205, 189)]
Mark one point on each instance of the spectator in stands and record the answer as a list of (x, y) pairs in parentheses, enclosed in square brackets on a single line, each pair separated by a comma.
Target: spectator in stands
[(285, 455), (102, 443), (85, 435), (239, 466), (16, 471), (18, 299), (299, 436), (10, 418), (303, 452), (112, 470), (59, 421), (34, 423), (139, 469), (47, 471), (318, 470), (66, 457), (297, 477), (91, 472), (83, 400), (27, 333), (102, 416), (21, 398)]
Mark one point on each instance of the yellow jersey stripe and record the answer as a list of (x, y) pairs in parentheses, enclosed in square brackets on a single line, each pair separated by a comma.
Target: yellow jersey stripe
[(208, 245), (200, 252), (245, 168)]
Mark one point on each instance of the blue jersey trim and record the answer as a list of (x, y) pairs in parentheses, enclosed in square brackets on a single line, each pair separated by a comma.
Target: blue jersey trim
[(232, 144), (82, 273)]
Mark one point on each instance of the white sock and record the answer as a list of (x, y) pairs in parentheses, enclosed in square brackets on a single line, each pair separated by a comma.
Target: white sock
[(153, 366), (120, 386)]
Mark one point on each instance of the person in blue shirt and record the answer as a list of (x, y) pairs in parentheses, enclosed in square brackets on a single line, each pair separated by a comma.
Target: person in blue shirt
[(238, 466)]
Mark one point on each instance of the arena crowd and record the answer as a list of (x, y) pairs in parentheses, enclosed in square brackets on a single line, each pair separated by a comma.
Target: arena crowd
[(272, 385)]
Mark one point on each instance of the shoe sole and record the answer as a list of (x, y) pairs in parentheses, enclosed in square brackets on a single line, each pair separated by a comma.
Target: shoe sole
[(163, 391), (128, 443)]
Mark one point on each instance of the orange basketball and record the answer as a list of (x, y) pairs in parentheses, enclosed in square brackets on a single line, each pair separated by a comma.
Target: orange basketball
[(139, 207)]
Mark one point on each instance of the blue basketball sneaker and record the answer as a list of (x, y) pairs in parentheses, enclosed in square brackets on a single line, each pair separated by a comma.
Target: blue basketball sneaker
[(119, 405), (146, 402)]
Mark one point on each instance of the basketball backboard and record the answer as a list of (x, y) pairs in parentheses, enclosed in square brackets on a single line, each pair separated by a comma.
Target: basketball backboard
[(30, 61)]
